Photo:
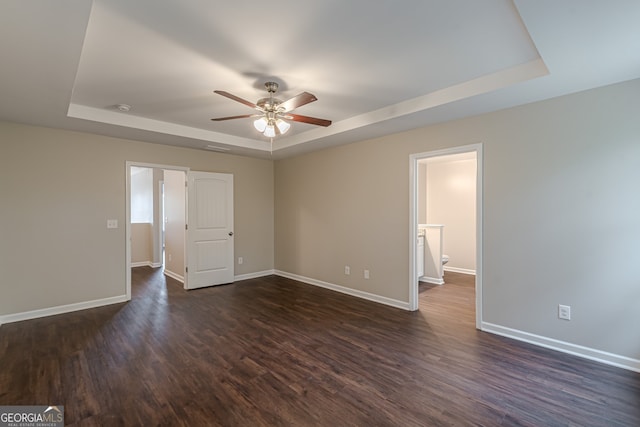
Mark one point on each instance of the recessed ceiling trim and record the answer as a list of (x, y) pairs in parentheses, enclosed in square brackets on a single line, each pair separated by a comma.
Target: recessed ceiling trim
[(142, 123), (216, 148), (488, 83), (484, 84), (112, 51)]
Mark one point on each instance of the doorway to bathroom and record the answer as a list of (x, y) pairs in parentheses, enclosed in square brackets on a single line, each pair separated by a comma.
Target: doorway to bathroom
[(446, 219)]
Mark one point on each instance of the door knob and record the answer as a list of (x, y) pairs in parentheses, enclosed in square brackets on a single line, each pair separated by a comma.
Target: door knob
[(231, 233)]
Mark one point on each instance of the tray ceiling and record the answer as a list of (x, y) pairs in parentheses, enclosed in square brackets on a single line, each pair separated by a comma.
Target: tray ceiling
[(376, 67)]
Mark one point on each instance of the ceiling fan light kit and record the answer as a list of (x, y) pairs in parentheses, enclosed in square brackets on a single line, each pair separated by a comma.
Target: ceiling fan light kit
[(283, 126), (273, 111), (261, 124), (270, 131)]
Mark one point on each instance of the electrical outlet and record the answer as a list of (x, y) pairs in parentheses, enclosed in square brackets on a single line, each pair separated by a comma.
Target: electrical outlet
[(366, 274), (112, 223), (240, 260), (169, 257), (564, 312), (347, 270)]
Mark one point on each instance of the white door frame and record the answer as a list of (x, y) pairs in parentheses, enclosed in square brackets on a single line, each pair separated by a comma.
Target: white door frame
[(127, 233), (413, 221), (160, 207)]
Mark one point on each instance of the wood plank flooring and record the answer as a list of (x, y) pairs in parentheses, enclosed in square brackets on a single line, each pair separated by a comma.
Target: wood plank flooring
[(276, 352)]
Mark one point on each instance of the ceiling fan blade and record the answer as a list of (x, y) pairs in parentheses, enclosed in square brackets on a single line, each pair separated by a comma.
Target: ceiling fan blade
[(244, 116), (307, 119), (297, 101), (238, 99)]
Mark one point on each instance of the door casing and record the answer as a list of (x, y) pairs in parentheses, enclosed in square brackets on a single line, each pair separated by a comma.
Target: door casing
[(413, 221)]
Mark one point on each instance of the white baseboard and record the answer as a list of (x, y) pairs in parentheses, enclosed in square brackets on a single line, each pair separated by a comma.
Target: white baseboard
[(146, 264), (353, 292), (565, 347), (174, 275), (52, 311), (459, 270), (431, 280), (254, 275), (61, 309)]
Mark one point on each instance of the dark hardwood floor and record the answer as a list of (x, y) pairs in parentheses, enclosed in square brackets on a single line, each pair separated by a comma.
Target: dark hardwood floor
[(275, 352)]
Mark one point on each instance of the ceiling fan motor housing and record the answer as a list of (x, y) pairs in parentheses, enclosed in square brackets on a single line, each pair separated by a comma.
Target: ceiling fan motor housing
[(268, 104), (272, 87)]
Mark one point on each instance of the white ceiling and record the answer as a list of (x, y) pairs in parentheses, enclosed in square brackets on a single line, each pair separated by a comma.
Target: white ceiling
[(376, 67)]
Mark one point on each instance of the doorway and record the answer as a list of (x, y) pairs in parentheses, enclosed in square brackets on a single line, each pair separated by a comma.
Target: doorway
[(416, 213), (164, 191), (202, 199)]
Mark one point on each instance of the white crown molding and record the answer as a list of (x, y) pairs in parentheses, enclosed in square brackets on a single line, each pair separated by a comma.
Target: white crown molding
[(478, 86), (128, 120)]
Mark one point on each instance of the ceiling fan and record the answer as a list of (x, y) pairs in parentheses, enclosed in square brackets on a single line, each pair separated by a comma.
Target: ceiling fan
[(273, 112)]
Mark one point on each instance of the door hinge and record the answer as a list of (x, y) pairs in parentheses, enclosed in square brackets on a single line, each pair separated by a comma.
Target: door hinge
[(186, 226), (186, 269)]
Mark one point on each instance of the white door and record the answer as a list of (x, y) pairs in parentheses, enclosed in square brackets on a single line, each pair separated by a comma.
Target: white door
[(209, 229)]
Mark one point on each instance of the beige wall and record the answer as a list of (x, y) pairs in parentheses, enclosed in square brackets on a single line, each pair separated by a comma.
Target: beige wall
[(175, 219), (451, 201), (141, 232), (421, 188), (142, 243), (57, 190), (561, 209)]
